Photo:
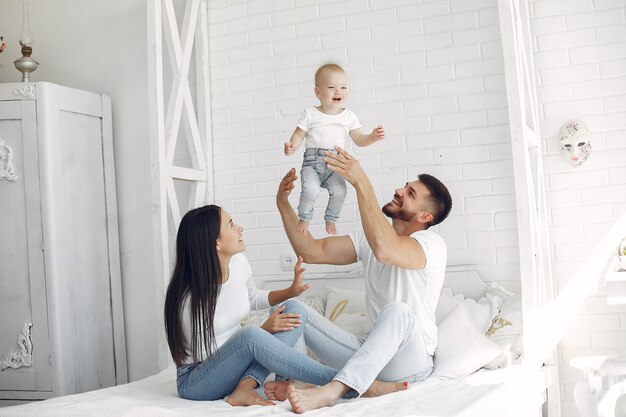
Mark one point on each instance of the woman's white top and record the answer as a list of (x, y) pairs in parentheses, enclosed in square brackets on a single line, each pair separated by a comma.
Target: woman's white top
[(237, 297), (327, 130)]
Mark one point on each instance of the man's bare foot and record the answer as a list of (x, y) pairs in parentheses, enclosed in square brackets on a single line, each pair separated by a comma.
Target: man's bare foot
[(302, 227), (245, 395), (330, 228), (302, 400), (277, 390), (379, 388)]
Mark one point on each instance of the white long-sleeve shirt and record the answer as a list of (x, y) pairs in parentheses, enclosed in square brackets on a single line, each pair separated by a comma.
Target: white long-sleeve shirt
[(238, 296)]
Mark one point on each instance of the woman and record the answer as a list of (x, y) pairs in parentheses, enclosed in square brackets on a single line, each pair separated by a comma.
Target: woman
[(210, 292)]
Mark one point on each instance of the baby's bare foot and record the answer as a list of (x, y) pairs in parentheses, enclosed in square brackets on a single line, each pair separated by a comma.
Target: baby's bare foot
[(379, 388), (330, 228), (302, 227)]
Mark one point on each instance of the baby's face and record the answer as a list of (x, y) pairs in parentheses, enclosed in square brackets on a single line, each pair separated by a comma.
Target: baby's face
[(332, 90)]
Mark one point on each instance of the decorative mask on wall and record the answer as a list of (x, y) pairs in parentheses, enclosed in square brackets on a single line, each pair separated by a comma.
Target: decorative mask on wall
[(575, 142)]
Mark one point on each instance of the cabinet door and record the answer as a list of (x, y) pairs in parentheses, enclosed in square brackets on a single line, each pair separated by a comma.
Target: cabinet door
[(24, 339), (86, 239)]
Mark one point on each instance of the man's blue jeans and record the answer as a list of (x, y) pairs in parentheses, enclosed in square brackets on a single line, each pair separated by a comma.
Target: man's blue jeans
[(394, 350)]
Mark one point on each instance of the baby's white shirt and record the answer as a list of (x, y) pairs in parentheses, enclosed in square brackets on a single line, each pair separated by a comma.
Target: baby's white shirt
[(327, 130)]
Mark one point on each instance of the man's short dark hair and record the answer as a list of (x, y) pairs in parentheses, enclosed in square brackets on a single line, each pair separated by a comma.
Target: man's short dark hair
[(440, 198)]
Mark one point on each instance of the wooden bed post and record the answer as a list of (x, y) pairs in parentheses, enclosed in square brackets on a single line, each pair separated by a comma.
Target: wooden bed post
[(189, 166), (532, 215)]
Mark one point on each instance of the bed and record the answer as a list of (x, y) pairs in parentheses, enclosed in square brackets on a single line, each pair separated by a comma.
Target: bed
[(456, 389), (486, 393)]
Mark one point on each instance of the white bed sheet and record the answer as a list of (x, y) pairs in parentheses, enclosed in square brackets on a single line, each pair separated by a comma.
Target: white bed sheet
[(498, 393)]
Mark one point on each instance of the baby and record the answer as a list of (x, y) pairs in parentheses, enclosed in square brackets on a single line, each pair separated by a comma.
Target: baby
[(322, 128)]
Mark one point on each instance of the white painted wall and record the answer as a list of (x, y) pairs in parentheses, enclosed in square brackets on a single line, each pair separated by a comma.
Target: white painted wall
[(581, 64), (100, 46)]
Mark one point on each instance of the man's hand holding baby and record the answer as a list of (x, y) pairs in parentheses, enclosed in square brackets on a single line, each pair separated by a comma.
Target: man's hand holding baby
[(346, 165)]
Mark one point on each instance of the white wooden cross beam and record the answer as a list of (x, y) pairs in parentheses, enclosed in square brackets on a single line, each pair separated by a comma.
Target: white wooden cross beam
[(166, 116)]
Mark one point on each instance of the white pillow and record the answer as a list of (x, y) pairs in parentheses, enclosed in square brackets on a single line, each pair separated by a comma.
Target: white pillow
[(340, 301), (447, 303), (481, 312), (256, 317), (506, 332), (462, 348), (494, 288), (353, 323)]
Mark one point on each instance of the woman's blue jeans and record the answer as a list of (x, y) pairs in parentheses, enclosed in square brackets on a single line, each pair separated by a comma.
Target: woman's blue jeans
[(251, 352)]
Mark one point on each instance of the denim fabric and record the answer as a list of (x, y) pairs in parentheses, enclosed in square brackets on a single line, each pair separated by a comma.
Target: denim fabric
[(257, 371), (250, 352), (316, 175), (394, 350)]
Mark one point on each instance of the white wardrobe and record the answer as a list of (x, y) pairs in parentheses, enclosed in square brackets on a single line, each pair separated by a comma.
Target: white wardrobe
[(61, 318)]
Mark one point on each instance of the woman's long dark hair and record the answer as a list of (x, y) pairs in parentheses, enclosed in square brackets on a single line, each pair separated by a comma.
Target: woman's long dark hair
[(197, 275)]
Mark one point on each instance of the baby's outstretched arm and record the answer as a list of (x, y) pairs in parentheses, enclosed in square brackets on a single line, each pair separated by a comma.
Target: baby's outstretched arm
[(361, 139), (296, 140)]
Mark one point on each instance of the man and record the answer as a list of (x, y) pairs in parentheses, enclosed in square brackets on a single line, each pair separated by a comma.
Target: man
[(404, 266)]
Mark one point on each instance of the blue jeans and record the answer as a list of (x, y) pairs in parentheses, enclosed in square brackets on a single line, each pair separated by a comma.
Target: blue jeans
[(394, 350), (315, 175), (251, 352)]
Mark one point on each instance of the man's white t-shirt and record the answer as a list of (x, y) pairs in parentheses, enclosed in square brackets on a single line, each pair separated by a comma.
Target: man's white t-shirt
[(418, 288), (238, 295), (327, 130)]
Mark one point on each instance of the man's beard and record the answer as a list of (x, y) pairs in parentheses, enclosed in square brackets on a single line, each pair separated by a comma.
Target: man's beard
[(399, 214)]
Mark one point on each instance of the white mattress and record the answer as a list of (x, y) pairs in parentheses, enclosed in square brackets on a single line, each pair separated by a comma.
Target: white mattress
[(489, 393)]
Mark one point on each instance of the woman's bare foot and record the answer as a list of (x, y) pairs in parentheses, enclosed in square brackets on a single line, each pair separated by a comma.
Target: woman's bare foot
[(245, 395), (379, 388), (302, 400), (302, 227), (277, 390), (330, 228)]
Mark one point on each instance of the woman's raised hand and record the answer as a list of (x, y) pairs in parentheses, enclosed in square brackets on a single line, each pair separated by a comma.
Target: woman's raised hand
[(297, 287), (281, 322), (285, 187)]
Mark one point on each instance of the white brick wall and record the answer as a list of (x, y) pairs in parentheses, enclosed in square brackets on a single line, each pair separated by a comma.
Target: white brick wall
[(581, 45), (432, 73)]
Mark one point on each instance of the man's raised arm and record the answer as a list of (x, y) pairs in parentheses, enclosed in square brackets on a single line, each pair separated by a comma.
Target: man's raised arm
[(335, 250), (388, 247)]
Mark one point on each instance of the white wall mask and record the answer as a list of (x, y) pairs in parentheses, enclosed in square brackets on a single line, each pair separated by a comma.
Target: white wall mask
[(575, 142)]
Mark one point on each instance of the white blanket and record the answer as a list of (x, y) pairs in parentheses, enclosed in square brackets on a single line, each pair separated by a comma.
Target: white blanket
[(500, 393)]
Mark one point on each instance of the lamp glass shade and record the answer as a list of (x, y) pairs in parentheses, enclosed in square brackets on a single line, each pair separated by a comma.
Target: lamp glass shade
[(26, 36)]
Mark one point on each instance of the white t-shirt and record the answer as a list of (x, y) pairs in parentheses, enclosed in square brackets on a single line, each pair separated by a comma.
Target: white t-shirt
[(418, 288), (327, 130), (238, 295)]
